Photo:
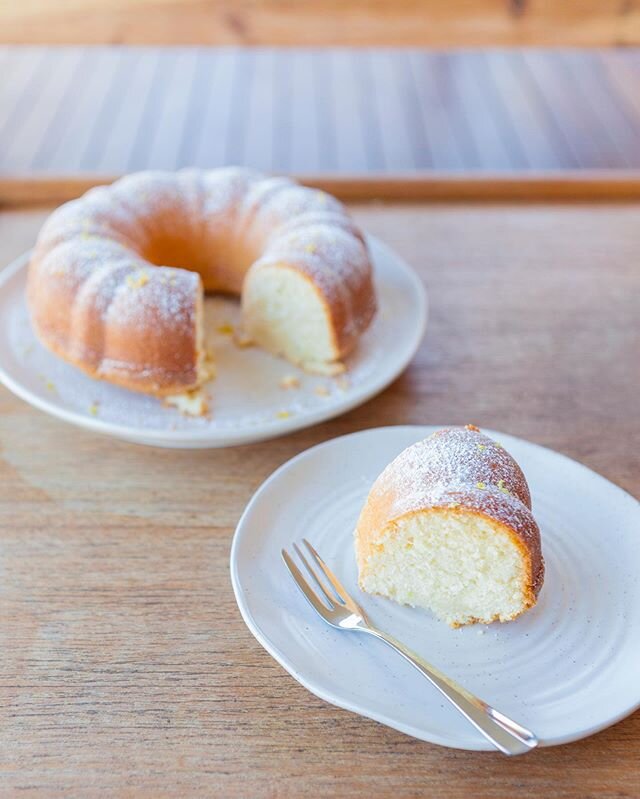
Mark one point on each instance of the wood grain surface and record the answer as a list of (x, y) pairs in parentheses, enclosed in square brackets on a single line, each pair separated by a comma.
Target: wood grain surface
[(125, 668), (441, 23)]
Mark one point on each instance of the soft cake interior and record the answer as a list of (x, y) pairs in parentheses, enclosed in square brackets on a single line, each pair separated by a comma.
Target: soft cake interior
[(460, 565), (284, 314)]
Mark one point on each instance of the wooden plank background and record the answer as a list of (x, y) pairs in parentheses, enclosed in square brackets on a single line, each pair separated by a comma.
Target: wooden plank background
[(109, 110), (125, 667), (419, 23)]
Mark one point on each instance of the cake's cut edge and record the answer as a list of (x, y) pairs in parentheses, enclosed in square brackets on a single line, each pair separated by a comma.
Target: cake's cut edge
[(461, 565), (284, 313)]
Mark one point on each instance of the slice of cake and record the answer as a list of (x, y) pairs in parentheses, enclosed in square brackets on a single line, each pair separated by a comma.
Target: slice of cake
[(447, 526)]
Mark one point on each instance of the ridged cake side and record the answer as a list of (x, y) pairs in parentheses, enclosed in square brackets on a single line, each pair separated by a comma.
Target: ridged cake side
[(116, 279)]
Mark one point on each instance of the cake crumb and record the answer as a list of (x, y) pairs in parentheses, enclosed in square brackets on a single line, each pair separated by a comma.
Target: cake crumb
[(242, 339), (331, 369), (189, 403), (311, 248), (225, 329), (321, 391), (343, 383), (50, 385), (207, 365), (283, 414), (290, 381), (94, 408)]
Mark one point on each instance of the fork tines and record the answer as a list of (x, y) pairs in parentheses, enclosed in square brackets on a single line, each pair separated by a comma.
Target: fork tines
[(329, 594)]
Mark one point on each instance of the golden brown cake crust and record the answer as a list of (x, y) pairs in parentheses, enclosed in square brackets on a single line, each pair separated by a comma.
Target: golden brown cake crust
[(455, 470), (116, 278)]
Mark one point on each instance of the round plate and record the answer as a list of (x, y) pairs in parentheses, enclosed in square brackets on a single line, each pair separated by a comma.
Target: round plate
[(246, 399), (565, 669)]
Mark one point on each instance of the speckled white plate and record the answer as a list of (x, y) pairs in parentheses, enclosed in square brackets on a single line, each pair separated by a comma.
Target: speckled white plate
[(565, 669), (246, 399)]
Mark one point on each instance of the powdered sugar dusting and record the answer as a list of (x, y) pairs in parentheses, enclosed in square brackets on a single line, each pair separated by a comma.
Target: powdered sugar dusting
[(97, 245), (246, 395), (154, 294), (453, 459), (459, 467)]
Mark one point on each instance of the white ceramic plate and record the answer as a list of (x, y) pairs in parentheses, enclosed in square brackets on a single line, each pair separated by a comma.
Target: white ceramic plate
[(565, 669), (247, 401)]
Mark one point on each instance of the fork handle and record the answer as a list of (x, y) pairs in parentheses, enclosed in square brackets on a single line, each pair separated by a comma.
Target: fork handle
[(508, 736)]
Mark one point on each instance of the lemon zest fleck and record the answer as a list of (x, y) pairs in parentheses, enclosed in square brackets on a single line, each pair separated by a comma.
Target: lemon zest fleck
[(137, 282)]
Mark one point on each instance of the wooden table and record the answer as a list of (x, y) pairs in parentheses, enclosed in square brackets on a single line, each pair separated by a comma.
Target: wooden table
[(125, 666), (582, 23)]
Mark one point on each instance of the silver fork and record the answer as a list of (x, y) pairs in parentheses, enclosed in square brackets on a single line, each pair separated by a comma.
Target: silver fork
[(340, 610)]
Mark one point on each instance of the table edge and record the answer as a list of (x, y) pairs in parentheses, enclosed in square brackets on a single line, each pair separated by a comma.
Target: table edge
[(560, 186)]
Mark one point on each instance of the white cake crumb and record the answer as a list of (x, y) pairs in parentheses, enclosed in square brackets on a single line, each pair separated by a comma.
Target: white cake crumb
[(189, 403), (329, 368)]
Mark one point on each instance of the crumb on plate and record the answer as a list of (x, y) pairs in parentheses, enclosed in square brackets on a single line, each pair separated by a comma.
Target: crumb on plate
[(290, 381), (242, 339), (323, 368), (189, 403)]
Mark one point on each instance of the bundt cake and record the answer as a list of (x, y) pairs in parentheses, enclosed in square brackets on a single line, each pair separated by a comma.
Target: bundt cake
[(448, 527), (116, 279)]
